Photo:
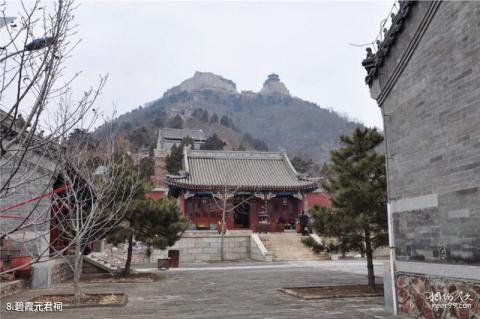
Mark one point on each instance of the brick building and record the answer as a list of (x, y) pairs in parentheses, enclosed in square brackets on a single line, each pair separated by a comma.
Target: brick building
[(25, 198), (265, 186), (167, 137), (425, 77)]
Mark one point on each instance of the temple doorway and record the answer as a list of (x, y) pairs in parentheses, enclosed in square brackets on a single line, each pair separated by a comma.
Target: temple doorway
[(241, 215)]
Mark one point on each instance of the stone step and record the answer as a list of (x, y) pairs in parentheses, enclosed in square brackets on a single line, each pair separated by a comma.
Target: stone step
[(100, 263), (288, 247)]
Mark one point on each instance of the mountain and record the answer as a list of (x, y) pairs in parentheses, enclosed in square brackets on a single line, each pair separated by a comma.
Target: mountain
[(272, 116)]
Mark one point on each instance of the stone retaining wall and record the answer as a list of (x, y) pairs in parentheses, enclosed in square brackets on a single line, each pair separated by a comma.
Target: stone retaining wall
[(51, 272), (11, 287), (258, 250), (61, 272), (204, 246)]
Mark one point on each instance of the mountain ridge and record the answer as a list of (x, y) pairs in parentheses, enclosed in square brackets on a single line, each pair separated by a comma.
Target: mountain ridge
[(272, 115)]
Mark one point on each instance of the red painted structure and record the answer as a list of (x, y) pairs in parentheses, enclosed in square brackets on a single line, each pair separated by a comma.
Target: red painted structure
[(203, 212), (156, 194), (58, 212), (318, 198)]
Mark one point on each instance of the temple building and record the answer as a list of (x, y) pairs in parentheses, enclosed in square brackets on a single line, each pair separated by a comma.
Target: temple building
[(265, 192)]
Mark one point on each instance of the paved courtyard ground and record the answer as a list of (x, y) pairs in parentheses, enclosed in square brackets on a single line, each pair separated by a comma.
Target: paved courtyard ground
[(236, 290)]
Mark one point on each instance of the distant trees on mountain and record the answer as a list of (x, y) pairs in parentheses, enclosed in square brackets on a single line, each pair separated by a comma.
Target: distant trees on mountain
[(226, 121), (203, 116), (83, 137), (214, 119), (146, 168), (305, 166), (213, 143), (140, 137), (241, 147), (176, 122), (257, 144), (301, 165)]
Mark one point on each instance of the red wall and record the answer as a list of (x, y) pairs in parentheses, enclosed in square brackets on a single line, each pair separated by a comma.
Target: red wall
[(155, 195), (320, 199), (204, 211)]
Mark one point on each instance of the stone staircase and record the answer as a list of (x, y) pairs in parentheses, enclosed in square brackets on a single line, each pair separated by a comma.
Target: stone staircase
[(288, 247), (96, 263)]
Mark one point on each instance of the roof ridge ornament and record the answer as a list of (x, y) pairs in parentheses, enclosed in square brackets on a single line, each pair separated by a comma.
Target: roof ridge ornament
[(374, 61)]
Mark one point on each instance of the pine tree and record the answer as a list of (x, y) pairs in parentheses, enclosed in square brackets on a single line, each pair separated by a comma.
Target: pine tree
[(176, 122), (158, 223), (214, 119), (225, 121), (358, 217), (173, 162), (146, 167), (301, 165), (205, 116)]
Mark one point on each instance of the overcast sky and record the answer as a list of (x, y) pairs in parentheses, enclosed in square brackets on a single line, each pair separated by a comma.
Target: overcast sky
[(148, 47)]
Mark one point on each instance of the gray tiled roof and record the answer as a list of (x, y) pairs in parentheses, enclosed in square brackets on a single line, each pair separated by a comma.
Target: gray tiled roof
[(180, 133), (250, 170)]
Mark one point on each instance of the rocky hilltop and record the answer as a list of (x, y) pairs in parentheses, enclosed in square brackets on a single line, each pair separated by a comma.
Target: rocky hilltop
[(273, 116), (203, 81)]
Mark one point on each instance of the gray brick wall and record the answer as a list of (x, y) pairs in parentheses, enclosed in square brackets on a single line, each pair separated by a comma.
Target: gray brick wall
[(33, 179), (432, 126)]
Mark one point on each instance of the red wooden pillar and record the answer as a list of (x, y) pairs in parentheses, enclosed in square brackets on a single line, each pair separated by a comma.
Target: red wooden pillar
[(230, 221), (252, 213), (183, 204)]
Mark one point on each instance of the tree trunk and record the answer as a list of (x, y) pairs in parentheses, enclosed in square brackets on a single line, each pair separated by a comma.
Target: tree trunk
[(128, 263), (222, 235), (149, 250), (76, 273), (361, 247), (369, 253)]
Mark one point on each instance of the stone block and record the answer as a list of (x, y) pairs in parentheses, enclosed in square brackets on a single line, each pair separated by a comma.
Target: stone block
[(459, 213)]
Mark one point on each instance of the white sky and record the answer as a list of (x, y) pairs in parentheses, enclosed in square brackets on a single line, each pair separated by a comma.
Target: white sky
[(148, 47)]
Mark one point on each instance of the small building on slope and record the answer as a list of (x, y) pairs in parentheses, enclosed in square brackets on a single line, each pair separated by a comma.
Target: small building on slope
[(167, 137)]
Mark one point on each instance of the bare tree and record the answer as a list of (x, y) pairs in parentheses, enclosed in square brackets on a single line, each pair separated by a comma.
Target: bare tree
[(224, 197), (37, 112), (32, 62), (98, 181)]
